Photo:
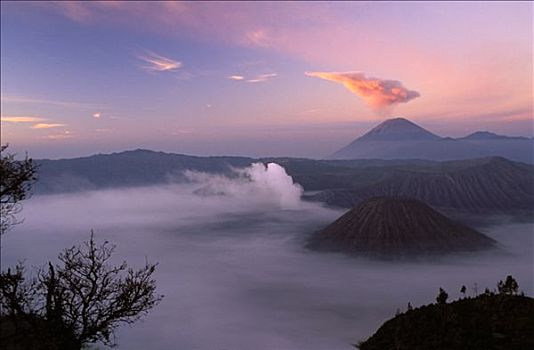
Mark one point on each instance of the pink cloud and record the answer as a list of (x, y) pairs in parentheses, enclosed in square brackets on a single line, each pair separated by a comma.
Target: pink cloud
[(47, 125), (236, 77), (10, 119), (377, 93)]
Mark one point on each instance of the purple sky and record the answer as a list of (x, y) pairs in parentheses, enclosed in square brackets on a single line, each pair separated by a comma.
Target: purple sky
[(257, 79)]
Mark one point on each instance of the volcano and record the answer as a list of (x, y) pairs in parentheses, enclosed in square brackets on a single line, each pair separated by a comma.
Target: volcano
[(398, 129), (399, 138), (392, 227)]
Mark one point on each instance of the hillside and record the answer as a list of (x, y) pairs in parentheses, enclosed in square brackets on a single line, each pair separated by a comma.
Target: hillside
[(392, 227), (476, 186), (487, 322)]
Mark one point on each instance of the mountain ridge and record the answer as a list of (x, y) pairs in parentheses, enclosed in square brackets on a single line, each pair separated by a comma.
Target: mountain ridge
[(502, 185), (492, 184), (487, 135)]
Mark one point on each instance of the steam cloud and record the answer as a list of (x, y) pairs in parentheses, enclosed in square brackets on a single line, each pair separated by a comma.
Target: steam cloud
[(268, 183), (377, 93)]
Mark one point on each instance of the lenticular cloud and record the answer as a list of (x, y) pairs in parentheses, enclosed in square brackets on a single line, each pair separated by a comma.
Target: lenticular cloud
[(377, 93)]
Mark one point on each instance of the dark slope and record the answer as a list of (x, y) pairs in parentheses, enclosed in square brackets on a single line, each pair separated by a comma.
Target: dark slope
[(391, 227), (487, 322), (492, 184), (401, 139)]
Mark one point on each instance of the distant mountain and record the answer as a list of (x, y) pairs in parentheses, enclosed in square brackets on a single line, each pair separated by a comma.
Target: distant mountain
[(126, 169), (486, 135), (400, 138), (486, 322), (393, 227)]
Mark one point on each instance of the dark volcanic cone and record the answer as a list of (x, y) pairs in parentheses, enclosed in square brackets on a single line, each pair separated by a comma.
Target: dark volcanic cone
[(397, 227)]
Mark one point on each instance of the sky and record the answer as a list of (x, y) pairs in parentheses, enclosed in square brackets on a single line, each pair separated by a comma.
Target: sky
[(257, 79)]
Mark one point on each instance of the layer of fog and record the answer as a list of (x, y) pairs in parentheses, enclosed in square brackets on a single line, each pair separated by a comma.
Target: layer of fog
[(233, 270)]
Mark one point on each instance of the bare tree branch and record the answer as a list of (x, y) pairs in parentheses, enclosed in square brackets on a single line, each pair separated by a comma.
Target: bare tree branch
[(16, 179), (83, 296)]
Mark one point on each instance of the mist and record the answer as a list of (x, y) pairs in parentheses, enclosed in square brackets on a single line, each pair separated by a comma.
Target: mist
[(233, 268)]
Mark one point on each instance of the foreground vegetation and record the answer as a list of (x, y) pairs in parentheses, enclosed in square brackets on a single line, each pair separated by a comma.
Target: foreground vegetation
[(68, 305), (498, 320)]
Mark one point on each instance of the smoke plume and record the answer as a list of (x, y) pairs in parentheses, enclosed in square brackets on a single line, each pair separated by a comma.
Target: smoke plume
[(269, 184), (377, 93)]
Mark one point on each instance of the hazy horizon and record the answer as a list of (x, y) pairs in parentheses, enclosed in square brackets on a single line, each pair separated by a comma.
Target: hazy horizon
[(319, 151)]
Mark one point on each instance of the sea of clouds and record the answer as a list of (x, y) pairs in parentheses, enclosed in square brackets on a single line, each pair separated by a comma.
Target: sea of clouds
[(233, 268)]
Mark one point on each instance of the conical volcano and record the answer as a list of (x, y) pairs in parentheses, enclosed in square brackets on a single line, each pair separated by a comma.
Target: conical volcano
[(398, 129), (393, 227), (399, 138)]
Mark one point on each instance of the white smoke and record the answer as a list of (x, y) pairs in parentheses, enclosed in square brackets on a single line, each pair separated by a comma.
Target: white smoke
[(267, 184)]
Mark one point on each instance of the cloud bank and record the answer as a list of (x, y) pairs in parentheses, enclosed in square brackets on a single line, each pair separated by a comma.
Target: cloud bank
[(47, 125), (377, 93), (236, 267)]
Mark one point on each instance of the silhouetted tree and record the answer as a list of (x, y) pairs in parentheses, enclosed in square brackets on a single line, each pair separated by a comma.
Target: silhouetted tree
[(16, 179), (463, 290), (79, 301), (410, 307), (509, 286), (442, 296)]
